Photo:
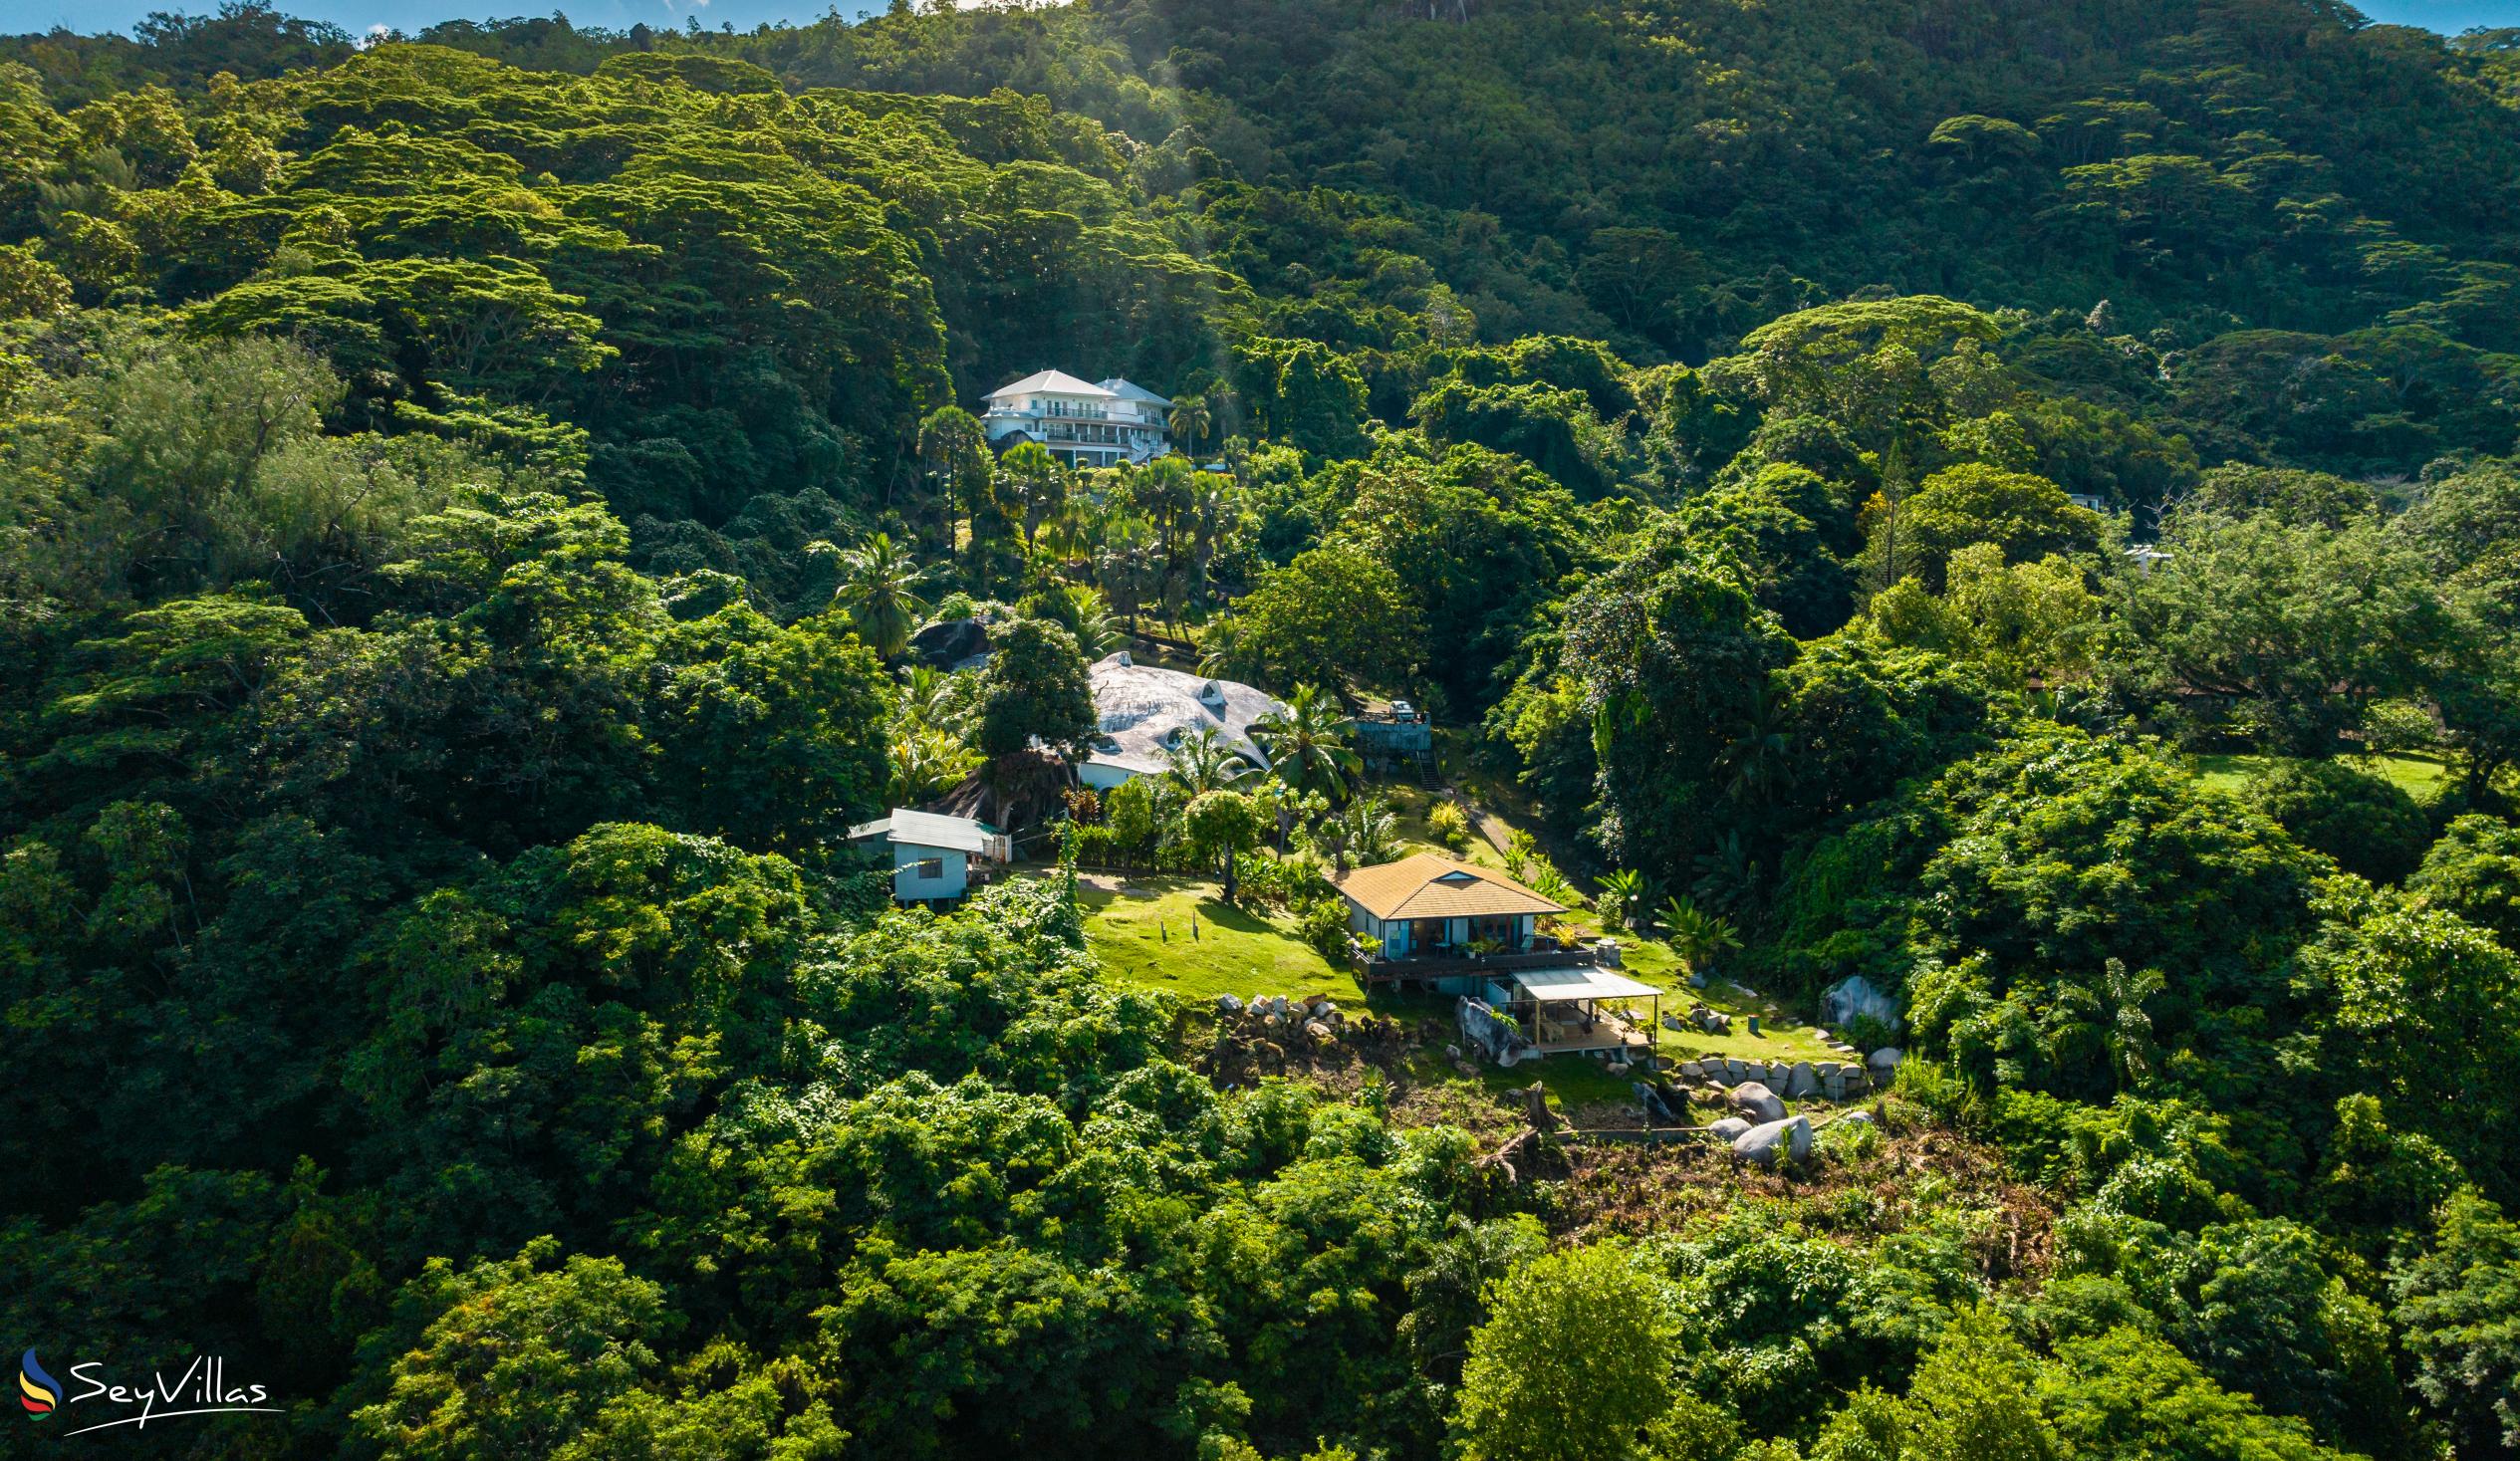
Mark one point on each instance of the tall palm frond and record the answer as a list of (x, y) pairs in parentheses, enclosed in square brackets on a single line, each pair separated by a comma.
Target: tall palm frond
[(1363, 833), (1697, 936), (1623, 897), (1189, 420), (1202, 761), (1306, 745), (1098, 632), (1759, 760), (878, 589)]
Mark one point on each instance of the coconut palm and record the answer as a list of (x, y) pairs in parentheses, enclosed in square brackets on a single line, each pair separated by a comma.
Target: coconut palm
[(1202, 761), (1759, 760), (1305, 745), (1189, 420), (1363, 833), (1220, 648), (923, 692), (1071, 532), (878, 589), (925, 763), (1080, 609), (2106, 1020), (1697, 936)]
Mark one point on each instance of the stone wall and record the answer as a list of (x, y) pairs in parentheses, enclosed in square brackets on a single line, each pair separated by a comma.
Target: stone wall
[(1851, 1078)]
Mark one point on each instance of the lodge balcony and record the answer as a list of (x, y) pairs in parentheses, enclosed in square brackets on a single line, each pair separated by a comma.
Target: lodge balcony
[(1457, 962)]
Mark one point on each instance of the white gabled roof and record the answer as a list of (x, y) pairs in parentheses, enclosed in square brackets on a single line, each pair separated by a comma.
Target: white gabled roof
[(1131, 391), (928, 830), (1058, 383)]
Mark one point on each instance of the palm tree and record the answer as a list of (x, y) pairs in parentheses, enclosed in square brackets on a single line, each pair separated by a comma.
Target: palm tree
[(1202, 761), (1697, 936), (1363, 833), (925, 763), (1189, 420), (1214, 508), (1622, 898), (1097, 634), (1220, 648), (1727, 876), (1758, 762), (2107, 1018), (878, 587), (1069, 532), (1305, 744), (922, 689)]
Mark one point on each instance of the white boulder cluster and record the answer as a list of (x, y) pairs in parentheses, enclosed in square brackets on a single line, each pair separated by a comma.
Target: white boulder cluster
[(1320, 1020), (1838, 1081), (1761, 1130)]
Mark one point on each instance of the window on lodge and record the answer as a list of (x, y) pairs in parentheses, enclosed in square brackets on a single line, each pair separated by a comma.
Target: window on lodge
[(928, 870)]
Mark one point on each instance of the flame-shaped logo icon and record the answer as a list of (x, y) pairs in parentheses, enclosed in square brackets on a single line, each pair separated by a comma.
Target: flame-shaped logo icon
[(37, 1391)]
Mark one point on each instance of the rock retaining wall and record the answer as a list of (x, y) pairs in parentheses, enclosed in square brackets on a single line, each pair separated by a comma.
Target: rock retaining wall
[(1851, 1079)]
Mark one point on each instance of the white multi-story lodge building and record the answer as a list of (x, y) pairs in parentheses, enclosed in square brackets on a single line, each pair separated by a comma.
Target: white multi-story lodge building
[(1083, 425)]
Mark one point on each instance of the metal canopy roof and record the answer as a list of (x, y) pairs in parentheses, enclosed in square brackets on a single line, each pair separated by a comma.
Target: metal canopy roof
[(1550, 986)]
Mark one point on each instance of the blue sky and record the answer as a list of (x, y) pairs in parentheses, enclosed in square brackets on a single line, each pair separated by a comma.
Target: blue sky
[(360, 15)]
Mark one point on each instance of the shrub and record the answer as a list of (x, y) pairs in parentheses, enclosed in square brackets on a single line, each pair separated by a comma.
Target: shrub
[(1520, 849), (1552, 885), (1867, 1032), (1450, 826), (2367, 823), (2400, 725), (1324, 926)]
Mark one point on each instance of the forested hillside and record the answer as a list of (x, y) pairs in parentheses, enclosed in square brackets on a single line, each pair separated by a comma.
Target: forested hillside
[(2013, 502)]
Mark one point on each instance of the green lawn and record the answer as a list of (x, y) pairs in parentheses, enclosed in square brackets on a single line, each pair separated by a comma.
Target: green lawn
[(2420, 777), (1180, 935), (1783, 1034), (1143, 935)]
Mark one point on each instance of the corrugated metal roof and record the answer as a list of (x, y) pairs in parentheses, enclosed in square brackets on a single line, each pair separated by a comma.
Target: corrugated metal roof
[(1428, 887), (928, 830), (1550, 985)]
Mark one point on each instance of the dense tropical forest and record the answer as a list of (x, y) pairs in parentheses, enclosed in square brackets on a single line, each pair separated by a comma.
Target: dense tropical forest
[(2013, 501)]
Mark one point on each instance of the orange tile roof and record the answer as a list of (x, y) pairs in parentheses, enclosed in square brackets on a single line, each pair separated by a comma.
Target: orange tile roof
[(1428, 887)]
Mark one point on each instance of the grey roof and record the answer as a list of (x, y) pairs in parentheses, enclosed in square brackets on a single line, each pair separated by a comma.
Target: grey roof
[(1140, 708), (928, 830), (1131, 391), (1054, 381), (1550, 986)]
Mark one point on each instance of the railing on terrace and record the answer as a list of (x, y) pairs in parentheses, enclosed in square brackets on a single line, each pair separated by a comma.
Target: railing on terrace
[(1451, 965)]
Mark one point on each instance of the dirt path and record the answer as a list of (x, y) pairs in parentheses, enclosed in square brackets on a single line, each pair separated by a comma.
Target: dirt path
[(1489, 824)]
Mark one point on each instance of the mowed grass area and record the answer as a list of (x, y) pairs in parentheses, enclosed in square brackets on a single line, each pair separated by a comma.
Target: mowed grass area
[(2420, 777), (1783, 1034), (1139, 929), (1180, 935)]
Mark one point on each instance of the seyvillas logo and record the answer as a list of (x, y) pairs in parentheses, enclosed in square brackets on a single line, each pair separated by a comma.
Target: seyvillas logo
[(200, 1388), (39, 1393)]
